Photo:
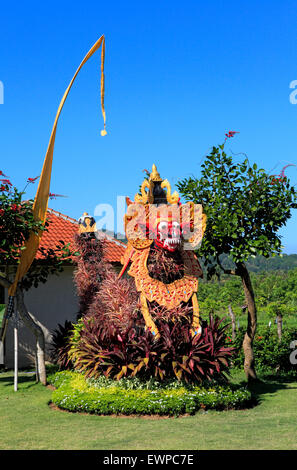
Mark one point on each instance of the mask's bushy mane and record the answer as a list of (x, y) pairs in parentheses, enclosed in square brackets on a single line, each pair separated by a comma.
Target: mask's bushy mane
[(165, 266)]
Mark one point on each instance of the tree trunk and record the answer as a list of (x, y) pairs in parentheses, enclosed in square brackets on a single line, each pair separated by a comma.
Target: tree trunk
[(279, 322), (38, 333), (34, 327), (249, 366), (233, 322)]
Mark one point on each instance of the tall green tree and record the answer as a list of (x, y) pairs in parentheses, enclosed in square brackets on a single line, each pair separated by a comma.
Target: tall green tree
[(245, 209)]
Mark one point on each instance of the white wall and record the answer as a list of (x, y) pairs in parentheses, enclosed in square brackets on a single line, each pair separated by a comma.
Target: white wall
[(50, 303)]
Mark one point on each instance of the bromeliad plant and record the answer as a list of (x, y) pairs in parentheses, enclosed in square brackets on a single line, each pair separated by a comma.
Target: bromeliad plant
[(106, 350)]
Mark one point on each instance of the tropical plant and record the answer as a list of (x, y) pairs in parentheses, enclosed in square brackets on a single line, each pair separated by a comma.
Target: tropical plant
[(90, 271), (132, 351), (61, 345)]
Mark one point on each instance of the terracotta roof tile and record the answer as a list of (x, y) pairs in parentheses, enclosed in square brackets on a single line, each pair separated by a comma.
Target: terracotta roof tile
[(64, 228)]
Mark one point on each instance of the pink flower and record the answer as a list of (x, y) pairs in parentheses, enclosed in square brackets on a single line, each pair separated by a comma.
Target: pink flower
[(32, 180), (230, 134), (6, 182), (53, 196)]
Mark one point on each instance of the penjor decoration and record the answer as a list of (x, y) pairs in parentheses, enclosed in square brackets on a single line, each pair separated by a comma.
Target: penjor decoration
[(43, 191), (157, 220)]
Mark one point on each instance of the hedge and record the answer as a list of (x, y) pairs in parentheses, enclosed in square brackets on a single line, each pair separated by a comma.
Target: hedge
[(269, 353), (76, 393)]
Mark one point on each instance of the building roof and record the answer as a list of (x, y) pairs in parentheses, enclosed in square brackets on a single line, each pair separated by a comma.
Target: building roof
[(64, 228)]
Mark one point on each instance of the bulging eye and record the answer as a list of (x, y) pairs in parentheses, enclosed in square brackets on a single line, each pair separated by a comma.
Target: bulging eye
[(176, 225), (163, 225)]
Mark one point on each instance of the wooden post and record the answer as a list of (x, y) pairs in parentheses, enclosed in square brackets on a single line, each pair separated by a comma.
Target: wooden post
[(15, 329), (233, 322), (279, 322)]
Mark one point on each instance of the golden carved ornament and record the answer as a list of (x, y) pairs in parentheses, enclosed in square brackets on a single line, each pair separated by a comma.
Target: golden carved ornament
[(171, 198), (166, 295)]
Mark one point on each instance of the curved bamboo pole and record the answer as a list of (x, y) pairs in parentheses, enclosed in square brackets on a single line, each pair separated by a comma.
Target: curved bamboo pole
[(41, 199)]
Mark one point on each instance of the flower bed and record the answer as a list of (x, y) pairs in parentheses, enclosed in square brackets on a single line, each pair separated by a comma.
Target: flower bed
[(130, 396)]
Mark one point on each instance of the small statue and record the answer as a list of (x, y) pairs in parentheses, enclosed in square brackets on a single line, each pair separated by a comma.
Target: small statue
[(87, 225)]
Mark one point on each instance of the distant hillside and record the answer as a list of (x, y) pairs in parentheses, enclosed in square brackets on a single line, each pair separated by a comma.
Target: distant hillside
[(260, 264), (256, 265)]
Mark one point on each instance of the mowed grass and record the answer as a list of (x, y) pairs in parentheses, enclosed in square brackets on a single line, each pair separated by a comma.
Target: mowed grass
[(27, 422)]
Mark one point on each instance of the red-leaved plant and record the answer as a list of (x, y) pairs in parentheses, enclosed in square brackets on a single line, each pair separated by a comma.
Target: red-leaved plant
[(60, 346), (107, 349), (91, 270)]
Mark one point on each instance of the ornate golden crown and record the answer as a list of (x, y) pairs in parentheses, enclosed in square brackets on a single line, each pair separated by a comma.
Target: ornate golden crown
[(155, 184)]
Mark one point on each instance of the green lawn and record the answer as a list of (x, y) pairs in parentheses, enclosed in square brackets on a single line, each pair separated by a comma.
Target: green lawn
[(263, 319), (289, 321), (27, 422)]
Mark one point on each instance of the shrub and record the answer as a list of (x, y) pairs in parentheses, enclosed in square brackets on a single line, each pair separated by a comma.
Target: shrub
[(116, 350), (60, 346), (269, 353), (128, 396), (91, 270)]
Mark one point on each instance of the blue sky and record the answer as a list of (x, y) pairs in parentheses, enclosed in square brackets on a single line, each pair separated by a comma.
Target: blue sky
[(178, 76)]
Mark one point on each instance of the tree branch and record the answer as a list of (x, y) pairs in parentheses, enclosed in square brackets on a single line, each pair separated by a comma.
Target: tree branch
[(32, 325), (233, 272), (38, 333)]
